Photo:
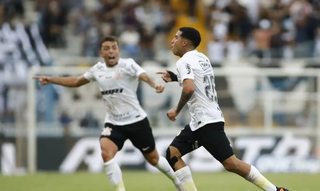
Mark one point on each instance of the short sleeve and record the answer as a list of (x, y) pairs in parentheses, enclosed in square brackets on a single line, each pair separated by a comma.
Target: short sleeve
[(89, 75), (185, 70), (134, 69)]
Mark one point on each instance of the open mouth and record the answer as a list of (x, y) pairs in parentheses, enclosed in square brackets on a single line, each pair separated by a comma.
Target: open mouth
[(112, 58)]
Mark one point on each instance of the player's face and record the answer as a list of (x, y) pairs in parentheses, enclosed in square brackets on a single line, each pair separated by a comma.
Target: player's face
[(177, 44), (110, 52)]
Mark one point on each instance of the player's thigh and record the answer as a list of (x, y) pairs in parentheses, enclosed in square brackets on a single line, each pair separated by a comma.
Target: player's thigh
[(114, 134), (213, 138), (185, 141), (141, 136)]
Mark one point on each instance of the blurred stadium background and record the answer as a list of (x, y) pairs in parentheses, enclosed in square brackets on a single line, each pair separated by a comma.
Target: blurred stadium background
[(265, 54)]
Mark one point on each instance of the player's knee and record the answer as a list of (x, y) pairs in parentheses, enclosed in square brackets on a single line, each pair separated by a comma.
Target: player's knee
[(153, 160), (232, 165), (172, 156), (106, 155)]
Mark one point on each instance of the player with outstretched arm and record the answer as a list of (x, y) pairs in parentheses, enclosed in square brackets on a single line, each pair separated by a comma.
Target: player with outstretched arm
[(118, 80)]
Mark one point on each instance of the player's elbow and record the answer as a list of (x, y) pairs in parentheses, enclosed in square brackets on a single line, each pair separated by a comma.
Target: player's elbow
[(144, 77), (77, 83), (188, 90)]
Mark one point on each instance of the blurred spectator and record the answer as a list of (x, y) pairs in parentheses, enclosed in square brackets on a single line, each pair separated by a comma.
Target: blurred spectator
[(89, 121), (129, 41), (216, 51), (53, 19), (192, 11), (108, 10), (12, 8), (129, 16), (262, 38), (147, 43), (65, 121), (84, 20), (92, 39), (239, 24)]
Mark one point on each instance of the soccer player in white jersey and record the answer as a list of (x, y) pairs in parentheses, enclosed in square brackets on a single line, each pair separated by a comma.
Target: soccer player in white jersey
[(195, 75), (118, 80)]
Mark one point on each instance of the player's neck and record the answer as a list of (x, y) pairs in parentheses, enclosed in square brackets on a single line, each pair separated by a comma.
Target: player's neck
[(110, 66), (187, 50)]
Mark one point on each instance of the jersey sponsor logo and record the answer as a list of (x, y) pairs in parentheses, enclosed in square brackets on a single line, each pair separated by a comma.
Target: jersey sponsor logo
[(188, 67), (204, 64), (111, 92)]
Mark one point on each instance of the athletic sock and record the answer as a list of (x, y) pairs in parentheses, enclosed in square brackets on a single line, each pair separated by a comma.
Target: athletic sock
[(259, 180), (114, 173)]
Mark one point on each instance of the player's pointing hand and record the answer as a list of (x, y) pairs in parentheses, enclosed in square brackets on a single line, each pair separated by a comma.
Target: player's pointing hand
[(159, 88), (44, 80), (165, 76)]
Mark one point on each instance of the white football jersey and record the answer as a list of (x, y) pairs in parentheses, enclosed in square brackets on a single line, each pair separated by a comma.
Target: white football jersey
[(118, 86), (203, 105)]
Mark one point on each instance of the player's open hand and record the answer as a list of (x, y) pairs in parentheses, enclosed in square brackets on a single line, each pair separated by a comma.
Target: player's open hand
[(44, 80), (165, 76), (172, 114), (159, 88)]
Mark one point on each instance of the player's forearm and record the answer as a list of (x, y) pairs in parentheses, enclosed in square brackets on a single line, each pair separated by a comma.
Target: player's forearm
[(65, 81), (185, 97), (151, 81)]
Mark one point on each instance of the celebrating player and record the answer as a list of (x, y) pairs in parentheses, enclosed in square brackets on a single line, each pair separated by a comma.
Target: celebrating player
[(125, 119), (206, 128)]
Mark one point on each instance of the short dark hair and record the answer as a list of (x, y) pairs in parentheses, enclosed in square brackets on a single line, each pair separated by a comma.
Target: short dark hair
[(191, 34), (110, 39)]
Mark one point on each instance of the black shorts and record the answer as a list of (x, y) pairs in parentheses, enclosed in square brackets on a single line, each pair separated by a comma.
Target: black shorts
[(139, 133), (211, 136)]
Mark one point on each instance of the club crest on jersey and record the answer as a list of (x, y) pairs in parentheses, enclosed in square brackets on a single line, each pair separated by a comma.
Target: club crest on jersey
[(118, 74), (204, 64)]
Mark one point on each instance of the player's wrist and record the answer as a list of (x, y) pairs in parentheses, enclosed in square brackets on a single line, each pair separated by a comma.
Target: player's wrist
[(173, 76)]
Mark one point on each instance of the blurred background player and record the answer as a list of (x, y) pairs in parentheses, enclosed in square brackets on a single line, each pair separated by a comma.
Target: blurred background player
[(196, 77), (125, 119)]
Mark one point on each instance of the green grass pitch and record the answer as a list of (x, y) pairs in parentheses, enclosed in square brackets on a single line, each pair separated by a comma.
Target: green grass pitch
[(145, 181)]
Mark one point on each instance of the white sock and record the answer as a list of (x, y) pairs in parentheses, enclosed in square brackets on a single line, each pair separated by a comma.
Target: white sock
[(165, 168), (259, 180), (114, 173), (185, 177)]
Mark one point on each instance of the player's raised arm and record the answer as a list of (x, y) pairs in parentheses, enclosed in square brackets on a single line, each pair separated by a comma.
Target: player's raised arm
[(168, 76), (63, 81), (150, 80)]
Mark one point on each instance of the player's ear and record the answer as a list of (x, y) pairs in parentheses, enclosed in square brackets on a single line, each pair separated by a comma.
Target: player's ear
[(184, 43)]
